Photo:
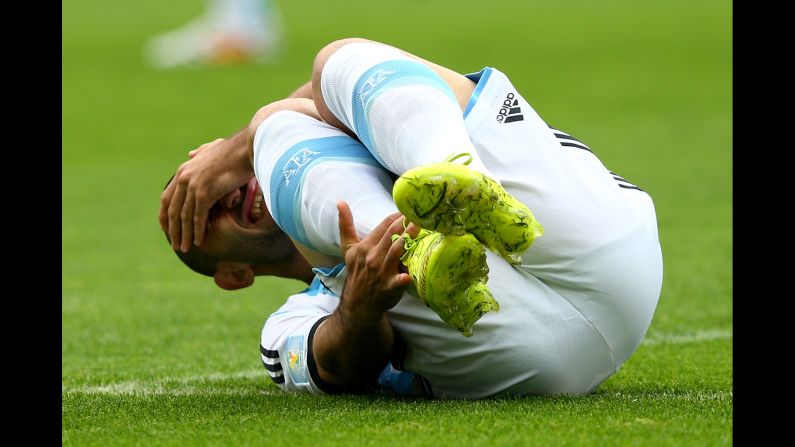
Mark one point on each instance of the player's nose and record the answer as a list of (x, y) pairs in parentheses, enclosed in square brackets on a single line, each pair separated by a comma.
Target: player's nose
[(232, 199)]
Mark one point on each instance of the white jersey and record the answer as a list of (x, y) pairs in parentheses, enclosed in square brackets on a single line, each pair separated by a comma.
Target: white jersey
[(570, 314), (288, 334)]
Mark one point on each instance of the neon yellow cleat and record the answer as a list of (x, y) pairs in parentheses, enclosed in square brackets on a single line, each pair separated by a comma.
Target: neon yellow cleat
[(449, 274), (452, 199)]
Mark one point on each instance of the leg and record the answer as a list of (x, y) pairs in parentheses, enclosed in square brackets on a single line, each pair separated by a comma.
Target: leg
[(405, 110), (306, 166)]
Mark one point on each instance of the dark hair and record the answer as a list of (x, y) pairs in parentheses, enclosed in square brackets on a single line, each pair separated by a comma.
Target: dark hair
[(196, 259)]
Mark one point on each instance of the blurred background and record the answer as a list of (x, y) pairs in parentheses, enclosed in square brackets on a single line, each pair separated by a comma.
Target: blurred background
[(647, 85)]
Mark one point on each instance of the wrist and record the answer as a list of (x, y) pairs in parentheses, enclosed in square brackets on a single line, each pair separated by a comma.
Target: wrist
[(239, 150), (355, 322)]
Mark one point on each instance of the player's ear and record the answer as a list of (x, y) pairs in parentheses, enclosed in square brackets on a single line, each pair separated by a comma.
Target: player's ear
[(233, 275)]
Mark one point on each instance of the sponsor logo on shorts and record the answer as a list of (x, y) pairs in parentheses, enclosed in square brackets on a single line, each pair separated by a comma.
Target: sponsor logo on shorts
[(295, 359), (510, 110)]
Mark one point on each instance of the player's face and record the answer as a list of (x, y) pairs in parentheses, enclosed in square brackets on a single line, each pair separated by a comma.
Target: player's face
[(240, 228)]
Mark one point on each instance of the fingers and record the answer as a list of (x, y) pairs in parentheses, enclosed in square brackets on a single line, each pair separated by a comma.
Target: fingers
[(392, 263), (187, 222), (402, 280), (397, 284), (396, 227), (377, 243), (348, 237), (394, 252), (204, 146), (200, 214), (413, 229), (174, 216), (186, 202), (381, 253), (165, 201), (379, 231)]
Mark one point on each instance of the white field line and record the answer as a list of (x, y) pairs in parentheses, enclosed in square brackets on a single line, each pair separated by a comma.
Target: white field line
[(689, 396), (174, 386), (196, 385), (692, 337)]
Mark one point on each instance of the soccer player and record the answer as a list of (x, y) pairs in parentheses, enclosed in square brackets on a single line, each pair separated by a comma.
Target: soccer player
[(572, 307), (230, 31)]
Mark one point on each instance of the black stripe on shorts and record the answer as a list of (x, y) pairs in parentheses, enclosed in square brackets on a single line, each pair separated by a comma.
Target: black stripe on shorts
[(268, 353)]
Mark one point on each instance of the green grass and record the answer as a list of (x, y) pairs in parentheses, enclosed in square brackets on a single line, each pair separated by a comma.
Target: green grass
[(154, 355)]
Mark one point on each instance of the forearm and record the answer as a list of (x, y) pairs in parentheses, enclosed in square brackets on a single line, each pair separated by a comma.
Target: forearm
[(237, 150), (350, 354), (353, 345), (304, 91)]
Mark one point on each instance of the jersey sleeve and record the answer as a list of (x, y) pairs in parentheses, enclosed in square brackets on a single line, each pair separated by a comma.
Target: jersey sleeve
[(286, 343)]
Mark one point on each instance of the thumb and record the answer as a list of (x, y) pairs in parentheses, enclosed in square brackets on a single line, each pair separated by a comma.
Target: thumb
[(348, 236)]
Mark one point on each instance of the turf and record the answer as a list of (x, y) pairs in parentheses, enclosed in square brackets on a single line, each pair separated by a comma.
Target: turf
[(154, 355)]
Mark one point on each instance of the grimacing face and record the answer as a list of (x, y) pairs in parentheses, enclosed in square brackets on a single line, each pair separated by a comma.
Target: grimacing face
[(240, 229)]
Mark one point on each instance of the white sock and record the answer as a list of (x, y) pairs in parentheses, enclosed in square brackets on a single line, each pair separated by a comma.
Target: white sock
[(402, 111), (305, 166)]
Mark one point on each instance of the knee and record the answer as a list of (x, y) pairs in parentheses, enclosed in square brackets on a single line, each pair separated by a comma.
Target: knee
[(300, 105), (325, 53), (321, 59)]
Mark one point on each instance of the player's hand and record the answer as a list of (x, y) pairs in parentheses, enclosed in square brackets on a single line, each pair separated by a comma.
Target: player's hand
[(214, 169), (375, 282)]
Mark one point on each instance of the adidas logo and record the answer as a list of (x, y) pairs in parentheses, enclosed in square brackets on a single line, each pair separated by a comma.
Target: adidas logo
[(510, 111)]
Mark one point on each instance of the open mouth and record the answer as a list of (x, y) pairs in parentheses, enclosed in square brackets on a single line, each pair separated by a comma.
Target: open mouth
[(252, 206)]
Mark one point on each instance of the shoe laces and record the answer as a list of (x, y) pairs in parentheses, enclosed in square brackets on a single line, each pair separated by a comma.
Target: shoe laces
[(455, 157), (410, 243)]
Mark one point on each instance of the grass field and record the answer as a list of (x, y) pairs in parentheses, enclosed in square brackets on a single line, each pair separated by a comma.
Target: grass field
[(152, 354)]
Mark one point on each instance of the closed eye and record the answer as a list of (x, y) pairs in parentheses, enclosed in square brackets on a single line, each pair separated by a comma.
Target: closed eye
[(212, 217)]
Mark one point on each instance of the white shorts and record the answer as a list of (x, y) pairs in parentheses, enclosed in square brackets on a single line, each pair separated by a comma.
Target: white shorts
[(586, 291)]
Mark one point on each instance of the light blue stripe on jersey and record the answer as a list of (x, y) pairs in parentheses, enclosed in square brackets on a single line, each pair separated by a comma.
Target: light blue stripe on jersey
[(329, 271), (481, 78), (315, 287), (378, 79), (291, 169)]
